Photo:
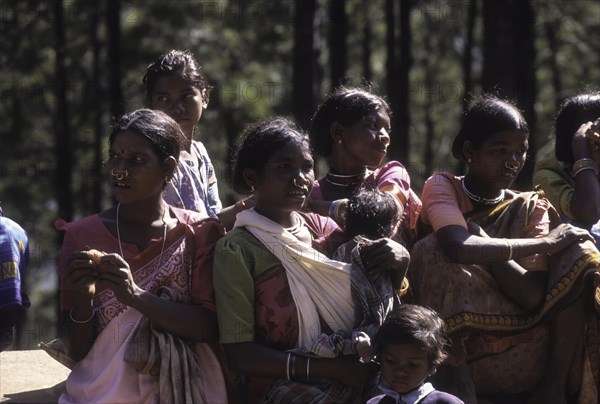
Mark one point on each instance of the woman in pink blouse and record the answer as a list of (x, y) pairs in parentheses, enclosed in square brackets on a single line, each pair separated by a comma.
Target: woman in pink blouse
[(352, 130)]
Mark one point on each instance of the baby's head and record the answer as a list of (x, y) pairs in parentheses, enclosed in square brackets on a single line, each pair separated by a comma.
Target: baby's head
[(372, 214), (411, 345)]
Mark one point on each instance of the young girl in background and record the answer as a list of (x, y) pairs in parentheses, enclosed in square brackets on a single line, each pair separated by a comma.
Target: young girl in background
[(176, 85)]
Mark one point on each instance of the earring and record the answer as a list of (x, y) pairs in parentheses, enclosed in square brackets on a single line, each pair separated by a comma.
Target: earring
[(339, 141), (167, 179), (469, 160), (252, 189)]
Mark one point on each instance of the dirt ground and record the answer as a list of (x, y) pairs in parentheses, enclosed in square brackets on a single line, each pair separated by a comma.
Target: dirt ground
[(30, 377)]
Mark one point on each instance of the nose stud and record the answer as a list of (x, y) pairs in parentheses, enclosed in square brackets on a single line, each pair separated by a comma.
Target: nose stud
[(119, 175)]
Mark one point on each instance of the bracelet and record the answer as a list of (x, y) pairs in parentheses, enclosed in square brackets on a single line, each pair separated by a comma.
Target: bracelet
[(293, 371), (308, 368), (78, 321), (287, 367), (582, 165), (510, 250)]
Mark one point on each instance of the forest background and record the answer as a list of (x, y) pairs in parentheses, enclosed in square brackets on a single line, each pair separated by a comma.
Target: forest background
[(68, 66)]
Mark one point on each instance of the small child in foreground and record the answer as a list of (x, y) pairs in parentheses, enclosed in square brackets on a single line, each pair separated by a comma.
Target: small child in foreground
[(411, 345)]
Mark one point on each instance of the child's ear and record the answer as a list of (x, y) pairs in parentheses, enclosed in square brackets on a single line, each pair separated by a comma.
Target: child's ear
[(250, 177)]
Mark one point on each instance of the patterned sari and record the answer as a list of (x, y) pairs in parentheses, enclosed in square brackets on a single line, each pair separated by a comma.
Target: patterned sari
[(131, 360), (504, 345)]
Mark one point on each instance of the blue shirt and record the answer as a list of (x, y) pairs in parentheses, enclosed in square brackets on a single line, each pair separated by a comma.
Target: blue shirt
[(194, 185), (14, 257)]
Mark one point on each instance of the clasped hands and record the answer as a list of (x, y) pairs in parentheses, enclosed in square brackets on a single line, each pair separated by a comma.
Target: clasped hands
[(88, 270)]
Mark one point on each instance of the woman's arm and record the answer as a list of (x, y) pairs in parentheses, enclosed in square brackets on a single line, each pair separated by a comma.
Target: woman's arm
[(228, 215), (254, 359), (526, 288), (189, 321), (77, 326), (586, 194)]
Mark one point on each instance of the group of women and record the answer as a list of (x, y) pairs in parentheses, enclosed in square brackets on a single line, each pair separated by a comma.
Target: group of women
[(168, 297)]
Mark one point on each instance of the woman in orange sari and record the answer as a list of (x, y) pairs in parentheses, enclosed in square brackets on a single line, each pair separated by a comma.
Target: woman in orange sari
[(512, 283)]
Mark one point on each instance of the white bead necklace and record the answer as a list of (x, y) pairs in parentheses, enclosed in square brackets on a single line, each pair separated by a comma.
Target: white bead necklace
[(164, 235), (481, 199)]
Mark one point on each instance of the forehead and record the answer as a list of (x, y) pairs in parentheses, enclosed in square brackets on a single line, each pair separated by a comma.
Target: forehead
[(294, 149), (130, 141), (405, 350), (513, 136), (172, 83)]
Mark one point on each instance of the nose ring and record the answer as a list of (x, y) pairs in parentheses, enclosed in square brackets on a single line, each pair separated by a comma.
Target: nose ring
[(512, 165), (298, 184), (119, 175)]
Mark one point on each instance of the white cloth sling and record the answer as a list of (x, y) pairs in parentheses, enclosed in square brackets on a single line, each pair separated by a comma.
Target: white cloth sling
[(319, 286)]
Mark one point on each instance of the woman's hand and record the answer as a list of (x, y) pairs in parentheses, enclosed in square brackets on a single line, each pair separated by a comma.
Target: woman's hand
[(81, 276), (564, 235), (114, 274), (384, 254)]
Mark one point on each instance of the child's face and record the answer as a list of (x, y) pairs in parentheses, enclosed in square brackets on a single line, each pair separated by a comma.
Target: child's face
[(404, 366), (179, 99)]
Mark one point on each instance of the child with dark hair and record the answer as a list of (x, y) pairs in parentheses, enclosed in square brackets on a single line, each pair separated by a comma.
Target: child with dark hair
[(176, 85), (371, 215), (411, 345)]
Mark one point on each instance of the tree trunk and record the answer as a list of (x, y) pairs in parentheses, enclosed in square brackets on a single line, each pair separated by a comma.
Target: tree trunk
[(98, 172), (113, 23), (338, 52), (508, 63), (553, 44), (468, 54), (401, 116), (366, 41), (64, 161), (303, 101)]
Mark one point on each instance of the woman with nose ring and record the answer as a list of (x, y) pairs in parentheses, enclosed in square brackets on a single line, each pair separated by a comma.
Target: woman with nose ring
[(509, 306), (287, 312), (352, 130)]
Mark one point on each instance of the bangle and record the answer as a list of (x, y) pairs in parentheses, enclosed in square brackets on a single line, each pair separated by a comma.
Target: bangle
[(293, 366), (582, 165), (308, 368), (287, 367), (78, 321), (510, 250), (241, 205)]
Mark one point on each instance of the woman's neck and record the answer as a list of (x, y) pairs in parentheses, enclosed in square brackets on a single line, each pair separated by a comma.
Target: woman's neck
[(286, 219), (143, 214), (344, 165)]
